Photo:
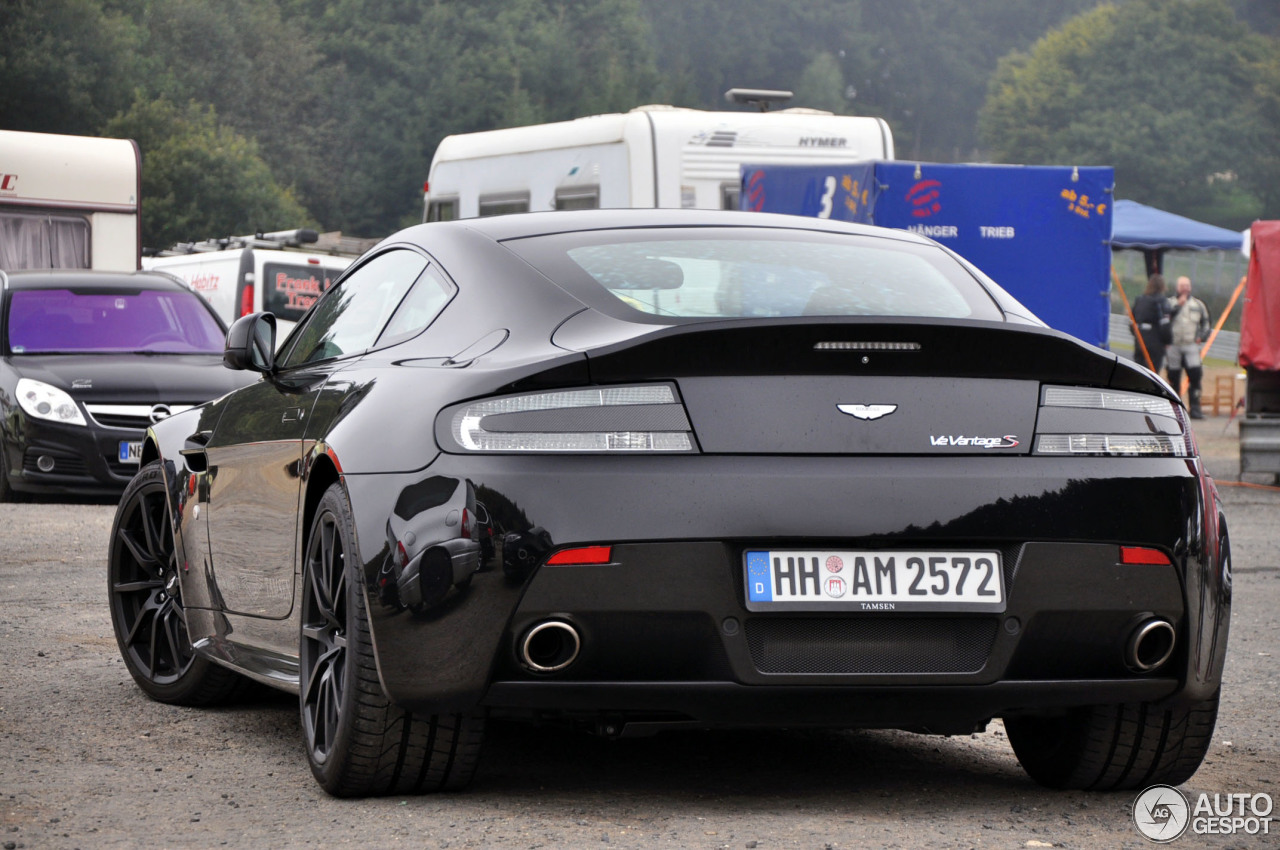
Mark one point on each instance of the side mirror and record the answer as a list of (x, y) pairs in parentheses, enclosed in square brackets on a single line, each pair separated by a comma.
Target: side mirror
[(251, 344)]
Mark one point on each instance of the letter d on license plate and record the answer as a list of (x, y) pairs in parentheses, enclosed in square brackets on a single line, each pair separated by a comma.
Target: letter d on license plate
[(873, 580)]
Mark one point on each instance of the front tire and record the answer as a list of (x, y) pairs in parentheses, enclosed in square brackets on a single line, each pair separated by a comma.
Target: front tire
[(1114, 747), (7, 493), (358, 742), (147, 616)]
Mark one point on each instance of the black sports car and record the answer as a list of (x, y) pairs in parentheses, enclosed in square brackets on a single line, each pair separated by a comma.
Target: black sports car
[(90, 359), (638, 470)]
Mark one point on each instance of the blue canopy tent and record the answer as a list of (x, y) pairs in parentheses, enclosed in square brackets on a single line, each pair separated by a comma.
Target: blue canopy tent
[(1153, 231)]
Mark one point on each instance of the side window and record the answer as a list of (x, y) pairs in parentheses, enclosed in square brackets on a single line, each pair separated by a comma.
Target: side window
[(517, 202), (729, 194), (43, 241), (445, 210), (423, 303), (352, 314), (578, 198)]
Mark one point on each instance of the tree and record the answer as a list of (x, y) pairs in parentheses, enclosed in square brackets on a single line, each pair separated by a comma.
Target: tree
[(412, 73), (262, 73), (928, 63), (822, 86), (1161, 91), (201, 179), (707, 47), (66, 65)]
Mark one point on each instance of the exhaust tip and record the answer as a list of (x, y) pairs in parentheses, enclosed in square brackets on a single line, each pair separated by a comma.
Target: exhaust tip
[(550, 646), (1150, 645)]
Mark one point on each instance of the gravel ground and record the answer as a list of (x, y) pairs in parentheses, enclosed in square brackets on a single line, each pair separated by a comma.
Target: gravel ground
[(87, 761)]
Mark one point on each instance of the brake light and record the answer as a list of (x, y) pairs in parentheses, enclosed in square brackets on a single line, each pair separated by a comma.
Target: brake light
[(581, 557), (644, 418), (246, 301), (466, 525), (1142, 555), (1129, 424)]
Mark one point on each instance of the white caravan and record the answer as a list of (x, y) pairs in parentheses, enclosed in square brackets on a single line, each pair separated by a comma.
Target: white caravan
[(652, 156), (69, 202)]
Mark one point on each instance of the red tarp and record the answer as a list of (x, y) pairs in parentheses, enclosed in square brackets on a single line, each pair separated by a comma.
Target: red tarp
[(1260, 324)]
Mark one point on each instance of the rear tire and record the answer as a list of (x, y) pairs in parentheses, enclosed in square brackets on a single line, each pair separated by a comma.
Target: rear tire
[(146, 602), (1114, 747), (358, 743)]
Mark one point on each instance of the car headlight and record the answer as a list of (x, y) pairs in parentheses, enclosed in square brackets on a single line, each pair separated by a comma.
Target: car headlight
[(1110, 423), (648, 418), (42, 401)]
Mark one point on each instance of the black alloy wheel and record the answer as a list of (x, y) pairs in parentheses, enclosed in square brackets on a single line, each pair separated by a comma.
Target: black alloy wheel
[(358, 742), (323, 651), (146, 601)]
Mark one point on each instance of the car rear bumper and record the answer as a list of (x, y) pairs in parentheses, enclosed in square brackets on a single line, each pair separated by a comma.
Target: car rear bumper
[(669, 612), (636, 708)]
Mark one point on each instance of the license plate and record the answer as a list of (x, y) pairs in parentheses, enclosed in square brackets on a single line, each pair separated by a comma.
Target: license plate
[(870, 580), (130, 452)]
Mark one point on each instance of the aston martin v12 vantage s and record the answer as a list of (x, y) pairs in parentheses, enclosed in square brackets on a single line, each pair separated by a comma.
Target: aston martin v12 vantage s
[(631, 468)]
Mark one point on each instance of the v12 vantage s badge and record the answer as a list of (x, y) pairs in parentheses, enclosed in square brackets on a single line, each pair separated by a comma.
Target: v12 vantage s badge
[(1008, 441)]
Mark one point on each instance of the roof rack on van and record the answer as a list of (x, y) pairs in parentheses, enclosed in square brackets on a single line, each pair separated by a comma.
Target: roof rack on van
[(332, 242)]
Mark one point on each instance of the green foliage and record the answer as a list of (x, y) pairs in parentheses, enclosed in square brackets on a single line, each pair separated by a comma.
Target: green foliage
[(414, 72), (346, 100), (201, 179), (1159, 90), (710, 46), (65, 66), (260, 72), (822, 86)]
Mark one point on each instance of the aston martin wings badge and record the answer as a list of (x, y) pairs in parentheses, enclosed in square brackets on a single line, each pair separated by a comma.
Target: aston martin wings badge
[(867, 411)]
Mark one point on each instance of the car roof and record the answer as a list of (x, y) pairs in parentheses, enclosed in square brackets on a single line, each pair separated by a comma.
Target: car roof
[(90, 279), (520, 225)]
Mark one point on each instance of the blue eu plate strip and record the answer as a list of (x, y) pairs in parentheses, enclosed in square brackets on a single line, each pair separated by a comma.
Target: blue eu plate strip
[(759, 581)]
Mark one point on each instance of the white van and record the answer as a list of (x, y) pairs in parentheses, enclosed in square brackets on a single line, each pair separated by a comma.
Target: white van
[(245, 274), (652, 156), (68, 202)]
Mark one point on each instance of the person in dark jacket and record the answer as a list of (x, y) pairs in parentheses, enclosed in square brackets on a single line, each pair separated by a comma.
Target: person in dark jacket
[(1151, 313)]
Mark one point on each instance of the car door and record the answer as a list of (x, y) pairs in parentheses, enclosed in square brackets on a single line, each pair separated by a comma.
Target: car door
[(255, 455)]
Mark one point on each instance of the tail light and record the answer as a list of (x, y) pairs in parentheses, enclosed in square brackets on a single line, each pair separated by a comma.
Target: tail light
[(629, 419), (1110, 423)]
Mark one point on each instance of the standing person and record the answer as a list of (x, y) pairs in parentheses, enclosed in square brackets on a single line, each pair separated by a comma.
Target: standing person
[(1189, 318), (1151, 313)]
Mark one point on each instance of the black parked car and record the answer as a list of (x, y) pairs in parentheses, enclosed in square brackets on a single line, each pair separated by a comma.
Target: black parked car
[(744, 470), (91, 358)]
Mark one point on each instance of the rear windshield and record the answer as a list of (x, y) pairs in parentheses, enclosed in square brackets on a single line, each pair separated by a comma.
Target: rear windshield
[(757, 272), (66, 321)]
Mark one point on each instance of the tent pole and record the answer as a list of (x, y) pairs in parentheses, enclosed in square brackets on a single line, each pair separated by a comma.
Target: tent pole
[(1133, 323), (1222, 320)]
